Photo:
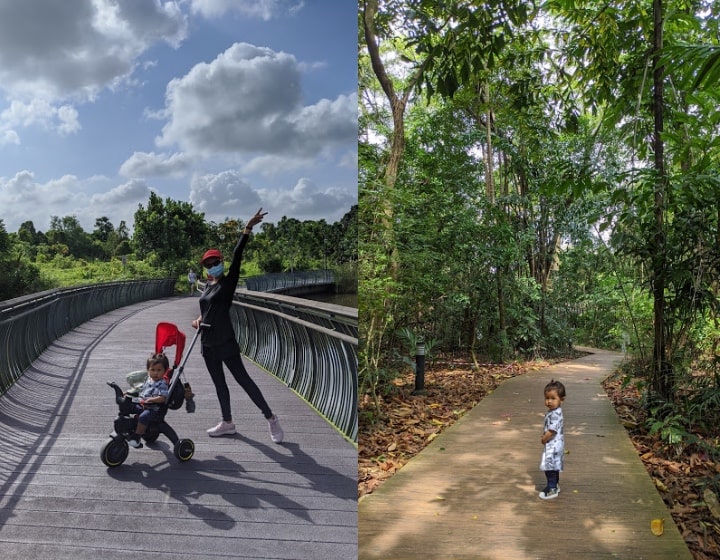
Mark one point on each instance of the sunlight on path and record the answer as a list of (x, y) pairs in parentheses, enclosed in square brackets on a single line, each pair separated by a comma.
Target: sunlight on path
[(473, 492)]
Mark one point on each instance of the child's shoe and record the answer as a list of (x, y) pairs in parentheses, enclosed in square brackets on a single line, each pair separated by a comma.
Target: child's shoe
[(134, 441), (549, 493), (276, 432), (222, 429)]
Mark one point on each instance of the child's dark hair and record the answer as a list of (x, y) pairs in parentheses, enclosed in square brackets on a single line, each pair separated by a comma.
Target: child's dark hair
[(557, 387), (159, 358)]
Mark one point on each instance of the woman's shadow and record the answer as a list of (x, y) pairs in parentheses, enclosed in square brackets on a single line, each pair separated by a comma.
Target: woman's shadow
[(321, 478), (198, 484)]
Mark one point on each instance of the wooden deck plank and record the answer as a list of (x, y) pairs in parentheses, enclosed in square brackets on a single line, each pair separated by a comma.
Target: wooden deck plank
[(240, 496), (473, 492)]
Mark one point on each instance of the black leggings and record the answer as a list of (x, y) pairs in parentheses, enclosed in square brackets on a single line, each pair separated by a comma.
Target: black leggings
[(214, 358)]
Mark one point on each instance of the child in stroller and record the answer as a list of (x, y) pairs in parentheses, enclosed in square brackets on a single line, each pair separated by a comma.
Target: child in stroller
[(132, 423), (153, 393)]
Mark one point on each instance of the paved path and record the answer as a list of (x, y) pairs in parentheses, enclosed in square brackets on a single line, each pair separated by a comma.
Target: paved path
[(473, 492), (239, 497)]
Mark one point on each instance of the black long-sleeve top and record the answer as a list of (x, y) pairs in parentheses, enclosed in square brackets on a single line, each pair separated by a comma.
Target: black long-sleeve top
[(217, 298)]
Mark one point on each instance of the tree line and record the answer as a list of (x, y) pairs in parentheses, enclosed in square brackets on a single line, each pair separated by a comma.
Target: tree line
[(168, 239)]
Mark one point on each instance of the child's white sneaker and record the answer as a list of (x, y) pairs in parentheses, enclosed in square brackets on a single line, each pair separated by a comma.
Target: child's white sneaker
[(549, 493), (222, 429)]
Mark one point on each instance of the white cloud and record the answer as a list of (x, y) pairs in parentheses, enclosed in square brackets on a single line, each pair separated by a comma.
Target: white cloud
[(57, 54), (249, 101), (68, 196), (222, 195), (349, 160), (30, 200), (79, 47), (38, 112), (133, 192), (228, 194), (305, 198), (68, 117), (262, 9), (150, 164), (8, 136), (274, 165)]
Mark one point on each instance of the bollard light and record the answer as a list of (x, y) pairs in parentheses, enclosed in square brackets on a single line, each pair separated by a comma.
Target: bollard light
[(419, 367)]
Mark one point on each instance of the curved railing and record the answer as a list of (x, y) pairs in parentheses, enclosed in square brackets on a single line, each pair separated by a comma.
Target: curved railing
[(285, 280), (310, 346), (28, 325)]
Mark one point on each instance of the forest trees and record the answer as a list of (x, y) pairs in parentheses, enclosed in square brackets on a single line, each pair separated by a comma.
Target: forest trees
[(413, 50), (166, 232), (18, 272), (583, 143), (664, 214)]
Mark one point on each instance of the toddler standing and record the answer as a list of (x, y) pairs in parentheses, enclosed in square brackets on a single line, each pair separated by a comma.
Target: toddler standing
[(553, 439)]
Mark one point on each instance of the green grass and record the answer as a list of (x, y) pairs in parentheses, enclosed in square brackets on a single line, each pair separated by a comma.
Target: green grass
[(63, 272)]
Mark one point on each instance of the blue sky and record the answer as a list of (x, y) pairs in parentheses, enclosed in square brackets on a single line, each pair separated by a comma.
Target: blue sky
[(231, 105)]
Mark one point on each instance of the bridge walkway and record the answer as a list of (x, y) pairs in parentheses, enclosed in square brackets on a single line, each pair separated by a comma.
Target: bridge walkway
[(240, 496)]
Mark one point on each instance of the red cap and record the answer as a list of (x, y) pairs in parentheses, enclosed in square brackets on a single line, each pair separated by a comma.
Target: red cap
[(211, 253)]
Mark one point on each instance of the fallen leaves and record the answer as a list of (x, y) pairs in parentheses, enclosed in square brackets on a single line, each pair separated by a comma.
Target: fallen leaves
[(684, 481), (407, 423), (657, 526), (711, 501), (660, 485)]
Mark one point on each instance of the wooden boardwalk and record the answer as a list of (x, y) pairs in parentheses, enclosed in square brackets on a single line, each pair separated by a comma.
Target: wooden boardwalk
[(473, 492), (240, 496)]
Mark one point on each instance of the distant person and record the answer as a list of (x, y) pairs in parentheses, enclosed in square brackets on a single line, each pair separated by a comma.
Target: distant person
[(192, 280), (218, 339), (553, 439), (153, 393)]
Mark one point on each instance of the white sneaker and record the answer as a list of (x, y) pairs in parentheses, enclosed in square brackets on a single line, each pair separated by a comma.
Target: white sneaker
[(276, 432), (549, 493), (222, 429)]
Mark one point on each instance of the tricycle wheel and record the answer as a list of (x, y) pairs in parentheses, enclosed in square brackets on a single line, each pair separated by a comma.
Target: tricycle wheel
[(184, 450), (114, 452)]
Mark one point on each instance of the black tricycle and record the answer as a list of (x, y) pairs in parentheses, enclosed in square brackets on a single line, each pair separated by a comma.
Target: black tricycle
[(117, 449)]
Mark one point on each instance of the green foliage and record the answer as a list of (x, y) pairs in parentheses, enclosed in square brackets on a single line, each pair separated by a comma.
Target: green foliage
[(166, 232), (67, 271), (673, 427), (294, 245), (170, 238), (411, 341)]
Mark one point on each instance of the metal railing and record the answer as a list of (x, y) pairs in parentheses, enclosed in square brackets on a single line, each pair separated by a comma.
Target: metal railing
[(28, 325), (310, 346), (284, 280)]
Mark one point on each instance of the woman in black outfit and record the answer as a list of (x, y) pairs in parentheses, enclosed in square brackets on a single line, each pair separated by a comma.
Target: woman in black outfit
[(218, 338)]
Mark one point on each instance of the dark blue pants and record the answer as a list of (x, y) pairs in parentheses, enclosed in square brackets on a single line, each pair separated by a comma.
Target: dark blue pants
[(553, 478), (229, 354), (146, 415)]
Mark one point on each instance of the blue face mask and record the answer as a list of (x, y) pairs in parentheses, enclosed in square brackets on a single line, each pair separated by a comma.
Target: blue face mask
[(217, 270)]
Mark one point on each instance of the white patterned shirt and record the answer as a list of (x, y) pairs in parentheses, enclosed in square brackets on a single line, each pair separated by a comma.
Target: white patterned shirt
[(553, 456)]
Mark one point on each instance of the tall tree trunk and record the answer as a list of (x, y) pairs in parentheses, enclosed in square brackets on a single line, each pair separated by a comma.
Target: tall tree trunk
[(398, 103), (489, 181), (661, 367), (397, 139)]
